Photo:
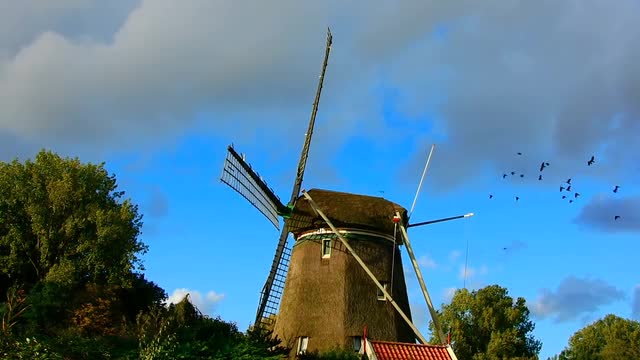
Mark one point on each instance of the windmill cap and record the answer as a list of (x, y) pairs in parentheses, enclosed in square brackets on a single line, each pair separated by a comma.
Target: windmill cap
[(346, 210)]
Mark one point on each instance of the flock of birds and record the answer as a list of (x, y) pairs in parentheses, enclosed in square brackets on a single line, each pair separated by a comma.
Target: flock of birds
[(565, 188)]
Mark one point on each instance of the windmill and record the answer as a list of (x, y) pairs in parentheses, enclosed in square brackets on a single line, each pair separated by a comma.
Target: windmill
[(366, 233), (240, 177), (345, 263)]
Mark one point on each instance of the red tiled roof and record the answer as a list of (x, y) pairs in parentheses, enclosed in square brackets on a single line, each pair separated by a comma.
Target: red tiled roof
[(386, 350)]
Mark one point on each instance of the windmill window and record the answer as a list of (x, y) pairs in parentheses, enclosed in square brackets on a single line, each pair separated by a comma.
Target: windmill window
[(326, 248), (303, 341), (357, 343), (381, 295)]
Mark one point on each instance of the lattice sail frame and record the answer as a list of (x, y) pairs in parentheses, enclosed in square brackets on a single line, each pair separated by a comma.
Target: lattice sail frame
[(240, 177)]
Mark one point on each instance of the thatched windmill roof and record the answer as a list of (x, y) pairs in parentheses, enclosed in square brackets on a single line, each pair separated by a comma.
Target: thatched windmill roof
[(354, 211)]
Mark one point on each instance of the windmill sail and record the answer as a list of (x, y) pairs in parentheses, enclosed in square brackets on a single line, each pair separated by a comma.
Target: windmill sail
[(269, 297), (240, 177)]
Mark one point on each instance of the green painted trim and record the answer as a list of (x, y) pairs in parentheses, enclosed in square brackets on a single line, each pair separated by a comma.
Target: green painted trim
[(287, 213)]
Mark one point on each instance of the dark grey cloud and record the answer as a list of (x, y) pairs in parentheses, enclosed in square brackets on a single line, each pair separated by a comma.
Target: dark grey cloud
[(555, 80), (549, 79), (12, 147), (575, 298), (158, 203), (165, 64), (82, 20), (635, 303), (600, 212)]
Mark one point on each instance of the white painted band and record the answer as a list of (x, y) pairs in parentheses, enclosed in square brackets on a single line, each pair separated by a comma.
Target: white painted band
[(344, 231)]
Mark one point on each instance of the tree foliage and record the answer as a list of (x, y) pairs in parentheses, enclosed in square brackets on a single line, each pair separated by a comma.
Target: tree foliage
[(12, 310), (610, 338), (180, 331), (489, 324), (334, 354), (69, 261), (63, 221)]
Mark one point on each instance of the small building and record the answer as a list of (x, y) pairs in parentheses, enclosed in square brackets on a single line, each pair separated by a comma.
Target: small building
[(387, 350)]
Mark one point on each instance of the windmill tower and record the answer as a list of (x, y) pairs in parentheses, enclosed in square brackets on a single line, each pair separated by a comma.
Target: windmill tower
[(328, 297), (344, 270)]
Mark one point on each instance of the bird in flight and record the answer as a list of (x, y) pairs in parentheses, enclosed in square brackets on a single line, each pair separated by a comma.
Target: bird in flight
[(561, 188), (564, 196), (540, 177), (591, 161), (519, 153), (490, 196), (570, 201), (569, 188), (504, 176), (615, 189), (543, 165), (517, 198), (513, 173), (576, 195), (616, 217), (521, 175), (569, 181)]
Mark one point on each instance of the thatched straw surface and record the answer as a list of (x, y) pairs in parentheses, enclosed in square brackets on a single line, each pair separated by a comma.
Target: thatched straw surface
[(345, 210), (331, 300)]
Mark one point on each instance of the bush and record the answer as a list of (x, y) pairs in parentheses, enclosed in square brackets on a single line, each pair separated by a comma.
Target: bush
[(29, 348), (335, 354)]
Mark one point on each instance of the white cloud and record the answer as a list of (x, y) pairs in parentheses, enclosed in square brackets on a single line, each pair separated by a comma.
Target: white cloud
[(454, 255), (419, 314), (471, 272), (206, 304), (484, 270), (466, 272), (448, 294), (427, 262)]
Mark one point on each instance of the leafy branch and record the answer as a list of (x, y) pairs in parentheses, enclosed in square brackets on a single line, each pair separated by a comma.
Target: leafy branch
[(16, 306)]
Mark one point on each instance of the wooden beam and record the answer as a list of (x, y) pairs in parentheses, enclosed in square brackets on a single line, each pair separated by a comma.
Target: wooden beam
[(423, 286)]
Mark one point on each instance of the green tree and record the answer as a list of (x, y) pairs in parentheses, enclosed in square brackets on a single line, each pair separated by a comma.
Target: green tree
[(140, 296), (335, 354), (606, 339), (180, 331), (63, 221), (561, 356), (489, 324)]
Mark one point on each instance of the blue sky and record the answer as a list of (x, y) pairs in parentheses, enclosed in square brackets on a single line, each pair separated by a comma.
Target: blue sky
[(199, 238), (158, 89)]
